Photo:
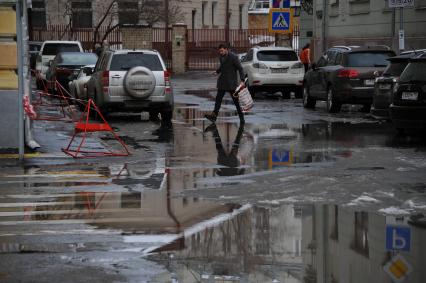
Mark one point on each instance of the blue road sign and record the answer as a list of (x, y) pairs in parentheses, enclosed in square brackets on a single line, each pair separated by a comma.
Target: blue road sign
[(281, 20), (281, 4), (398, 238), (280, 156)]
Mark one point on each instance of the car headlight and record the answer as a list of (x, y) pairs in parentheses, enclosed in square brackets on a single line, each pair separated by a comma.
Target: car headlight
[(395, 87)]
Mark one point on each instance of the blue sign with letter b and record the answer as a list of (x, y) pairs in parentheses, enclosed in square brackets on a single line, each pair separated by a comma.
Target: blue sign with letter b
[(398, 238)]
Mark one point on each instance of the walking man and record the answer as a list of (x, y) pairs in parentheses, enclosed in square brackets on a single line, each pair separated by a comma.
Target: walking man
[(305, 56), (227, 81)]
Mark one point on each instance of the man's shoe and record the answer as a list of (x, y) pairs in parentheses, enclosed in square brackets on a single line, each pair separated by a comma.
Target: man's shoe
[(212, 117)]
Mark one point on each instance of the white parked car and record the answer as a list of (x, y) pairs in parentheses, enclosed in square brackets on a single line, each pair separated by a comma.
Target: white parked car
[(273, 69), (49, 49), (77, 85), (132, 81)]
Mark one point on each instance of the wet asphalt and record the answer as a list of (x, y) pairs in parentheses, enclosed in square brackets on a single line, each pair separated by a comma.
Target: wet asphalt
[(202, 203)]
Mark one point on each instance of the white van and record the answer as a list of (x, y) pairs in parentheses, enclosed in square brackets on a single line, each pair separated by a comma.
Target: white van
[(48, 51)]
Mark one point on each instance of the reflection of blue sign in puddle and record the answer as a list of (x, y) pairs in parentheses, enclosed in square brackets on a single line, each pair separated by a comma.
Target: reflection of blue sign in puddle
[(295, 237), (284, 157)]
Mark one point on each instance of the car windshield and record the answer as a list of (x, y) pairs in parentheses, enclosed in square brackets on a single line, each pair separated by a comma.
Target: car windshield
[(277, 55), (415, 71), (395, 68), (122, 62), (369, 59), (55, 48), (78, 58)]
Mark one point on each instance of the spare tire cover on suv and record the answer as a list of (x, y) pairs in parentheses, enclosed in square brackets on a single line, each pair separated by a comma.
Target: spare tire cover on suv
[(139, 82)]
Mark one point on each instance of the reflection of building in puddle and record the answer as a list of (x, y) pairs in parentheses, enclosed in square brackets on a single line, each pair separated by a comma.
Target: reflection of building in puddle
[(256, 245), (193, 115), (149, 211), (341, 245)]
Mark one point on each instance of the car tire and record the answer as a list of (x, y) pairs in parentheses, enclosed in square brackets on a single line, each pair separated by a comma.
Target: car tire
[(308, 101), (153, 116), (298, 93), (139, 82), (333, 105), (285, 93), (166, 118), (93, 112)]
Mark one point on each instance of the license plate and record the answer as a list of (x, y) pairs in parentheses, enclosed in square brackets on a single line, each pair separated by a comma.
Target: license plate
[(409, 95), (385, 86), (369, 82), (279, 70)]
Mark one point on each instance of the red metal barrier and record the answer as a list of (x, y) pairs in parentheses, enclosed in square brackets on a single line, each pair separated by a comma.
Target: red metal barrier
[(83, 127)]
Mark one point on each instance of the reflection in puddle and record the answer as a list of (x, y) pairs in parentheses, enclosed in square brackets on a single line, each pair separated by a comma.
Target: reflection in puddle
[(318, 243)]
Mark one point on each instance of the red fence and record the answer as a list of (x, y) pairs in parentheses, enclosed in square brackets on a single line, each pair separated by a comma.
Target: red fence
[(202, 44)]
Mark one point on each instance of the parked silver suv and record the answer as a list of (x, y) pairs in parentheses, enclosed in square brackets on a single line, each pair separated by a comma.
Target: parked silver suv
[(131, 80)]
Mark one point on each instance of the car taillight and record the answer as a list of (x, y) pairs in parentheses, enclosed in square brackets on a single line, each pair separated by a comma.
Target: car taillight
[(348, 74), (166, 78), (105, 81), (260, 66)]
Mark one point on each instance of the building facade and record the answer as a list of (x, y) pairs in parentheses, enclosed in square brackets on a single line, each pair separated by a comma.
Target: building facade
[(194, 13), (367, 22)]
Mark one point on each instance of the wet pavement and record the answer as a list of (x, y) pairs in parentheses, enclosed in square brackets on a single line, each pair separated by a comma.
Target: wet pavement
[(294, 195)]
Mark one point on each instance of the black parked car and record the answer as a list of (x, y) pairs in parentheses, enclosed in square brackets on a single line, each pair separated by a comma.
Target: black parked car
[(408, 108), (384, 84), (345, 74), (66, 66)]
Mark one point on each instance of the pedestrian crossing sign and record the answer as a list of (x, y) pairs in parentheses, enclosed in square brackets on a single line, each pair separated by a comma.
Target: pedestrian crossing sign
[(280, 20)]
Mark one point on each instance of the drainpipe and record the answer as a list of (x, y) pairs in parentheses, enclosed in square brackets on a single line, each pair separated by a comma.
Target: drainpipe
[(324, 25), (227, 22)]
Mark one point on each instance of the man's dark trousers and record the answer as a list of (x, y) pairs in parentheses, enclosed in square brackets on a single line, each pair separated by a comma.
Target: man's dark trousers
[(219, 97)]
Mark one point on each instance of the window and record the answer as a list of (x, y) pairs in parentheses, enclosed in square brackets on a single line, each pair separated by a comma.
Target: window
[(81, 14), (240, 16), (38, 14), (322, 61), (368, 59), (414, 72), (331, 55), (203, 13), (55, 48), (214, 12), (122, 62), (128, 12), (360, 243), (281, 55)]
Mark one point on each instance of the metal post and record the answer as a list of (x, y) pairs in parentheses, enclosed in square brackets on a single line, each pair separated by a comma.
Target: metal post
[(324, 25), (401, 30), (19, 35)]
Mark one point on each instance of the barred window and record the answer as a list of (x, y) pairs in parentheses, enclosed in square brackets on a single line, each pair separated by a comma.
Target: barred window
[(82, 14), (128, 12), (38, 14)]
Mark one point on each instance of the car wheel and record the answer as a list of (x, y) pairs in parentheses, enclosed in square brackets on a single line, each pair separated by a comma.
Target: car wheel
[(298, 92), (166, 118), (333, 105), (308, 102), (153, 116), (139, 82), (93, 112), (285, 93)]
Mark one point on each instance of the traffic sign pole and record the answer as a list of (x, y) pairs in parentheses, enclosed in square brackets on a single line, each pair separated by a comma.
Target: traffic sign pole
[(401, 30)]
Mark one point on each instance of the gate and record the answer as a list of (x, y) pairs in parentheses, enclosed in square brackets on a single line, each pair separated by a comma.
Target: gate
[(202, 44), (162, 42)]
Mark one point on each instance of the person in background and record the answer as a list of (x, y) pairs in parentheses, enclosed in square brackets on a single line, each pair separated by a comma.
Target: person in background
[(305, 56), (227, 81)]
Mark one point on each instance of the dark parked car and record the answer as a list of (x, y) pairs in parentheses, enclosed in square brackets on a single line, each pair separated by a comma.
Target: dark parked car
[(408, 108), (384, 84), (345, 74), (66, 66)]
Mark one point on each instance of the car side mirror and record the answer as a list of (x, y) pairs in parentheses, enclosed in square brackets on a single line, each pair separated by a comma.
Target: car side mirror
[(314, 66)]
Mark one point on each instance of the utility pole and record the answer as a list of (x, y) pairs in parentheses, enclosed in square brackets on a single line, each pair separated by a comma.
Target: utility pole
[(324, 25), (19, 37), (227, 22), (401, 30)]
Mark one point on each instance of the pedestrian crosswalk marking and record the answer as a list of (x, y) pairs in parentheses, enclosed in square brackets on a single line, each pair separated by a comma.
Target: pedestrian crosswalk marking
[(281, 22)]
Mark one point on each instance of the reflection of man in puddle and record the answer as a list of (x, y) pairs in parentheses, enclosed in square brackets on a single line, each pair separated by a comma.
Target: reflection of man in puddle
[(230, 159)]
